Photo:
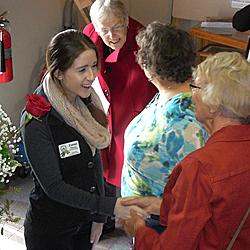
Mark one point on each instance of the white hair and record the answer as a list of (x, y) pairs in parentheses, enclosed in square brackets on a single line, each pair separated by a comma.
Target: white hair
[(226, 77), (102, 9)]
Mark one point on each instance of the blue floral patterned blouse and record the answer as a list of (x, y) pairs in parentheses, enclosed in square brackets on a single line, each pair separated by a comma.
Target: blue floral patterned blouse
[(156, 140)]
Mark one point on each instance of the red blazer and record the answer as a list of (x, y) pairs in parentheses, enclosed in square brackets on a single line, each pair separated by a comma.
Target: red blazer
[(206, 197), (128, 91)]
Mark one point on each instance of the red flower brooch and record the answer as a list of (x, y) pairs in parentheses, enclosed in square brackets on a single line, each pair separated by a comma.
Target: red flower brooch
[(37, 105)]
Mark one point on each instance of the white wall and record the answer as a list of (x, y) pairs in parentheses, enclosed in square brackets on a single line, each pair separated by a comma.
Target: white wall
[(199, 10), (147, 11), (33, 23)]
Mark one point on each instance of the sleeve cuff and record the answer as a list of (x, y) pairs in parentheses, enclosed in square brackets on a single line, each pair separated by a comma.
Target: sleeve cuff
[(145, 237)]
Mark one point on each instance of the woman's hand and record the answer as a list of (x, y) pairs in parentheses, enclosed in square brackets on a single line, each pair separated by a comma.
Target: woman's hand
[(131, 225), (151, 205), (96, 231), (123, 211)]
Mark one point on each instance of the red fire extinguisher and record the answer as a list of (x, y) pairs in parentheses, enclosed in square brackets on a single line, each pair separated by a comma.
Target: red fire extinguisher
[(6, 70)]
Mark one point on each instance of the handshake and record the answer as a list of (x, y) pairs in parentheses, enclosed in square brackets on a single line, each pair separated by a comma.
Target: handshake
[(132, 211)]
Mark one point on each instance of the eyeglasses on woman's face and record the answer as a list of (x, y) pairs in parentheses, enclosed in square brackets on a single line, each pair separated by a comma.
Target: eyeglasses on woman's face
[(114, 29), (194, 87)]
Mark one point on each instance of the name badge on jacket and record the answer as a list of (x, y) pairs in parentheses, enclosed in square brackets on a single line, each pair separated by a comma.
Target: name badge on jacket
[(69, 149)]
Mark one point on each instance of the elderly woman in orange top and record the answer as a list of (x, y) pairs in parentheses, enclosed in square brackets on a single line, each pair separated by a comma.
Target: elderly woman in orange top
[(206, 198)]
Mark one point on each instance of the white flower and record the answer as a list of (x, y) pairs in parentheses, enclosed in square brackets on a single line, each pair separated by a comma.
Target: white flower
[(9, 140)]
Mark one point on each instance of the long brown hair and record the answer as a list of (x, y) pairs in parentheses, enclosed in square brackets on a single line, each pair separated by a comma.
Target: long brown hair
[(62, 51)]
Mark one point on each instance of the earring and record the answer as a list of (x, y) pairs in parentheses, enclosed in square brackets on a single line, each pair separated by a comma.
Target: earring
[(58, 74)]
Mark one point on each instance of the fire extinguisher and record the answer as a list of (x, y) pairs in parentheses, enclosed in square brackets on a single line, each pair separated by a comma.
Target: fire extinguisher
[(6, 70)]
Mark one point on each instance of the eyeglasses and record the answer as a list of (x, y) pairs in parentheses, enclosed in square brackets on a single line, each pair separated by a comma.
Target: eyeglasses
[(115, 29), (194, 87)]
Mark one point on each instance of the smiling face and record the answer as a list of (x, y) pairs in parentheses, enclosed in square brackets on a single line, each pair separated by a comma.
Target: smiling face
[(77, 79), (113, 31)]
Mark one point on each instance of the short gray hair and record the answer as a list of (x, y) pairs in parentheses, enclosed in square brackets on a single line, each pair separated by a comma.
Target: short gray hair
[(226, 77), (102, 9)]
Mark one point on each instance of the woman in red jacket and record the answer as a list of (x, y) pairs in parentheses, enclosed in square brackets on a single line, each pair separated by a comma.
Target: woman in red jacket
[(207, 195), (122, 80)]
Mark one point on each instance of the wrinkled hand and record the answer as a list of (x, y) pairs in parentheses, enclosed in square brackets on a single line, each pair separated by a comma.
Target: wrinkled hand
[(123, 211), (96, 231), (131, 225), (151, 205)]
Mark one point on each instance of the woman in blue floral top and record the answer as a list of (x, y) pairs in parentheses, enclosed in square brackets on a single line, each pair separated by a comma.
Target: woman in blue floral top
[(166, 130)]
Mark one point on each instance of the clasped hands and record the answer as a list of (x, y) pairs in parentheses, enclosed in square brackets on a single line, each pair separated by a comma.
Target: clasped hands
[(124, 209), (132, 211)]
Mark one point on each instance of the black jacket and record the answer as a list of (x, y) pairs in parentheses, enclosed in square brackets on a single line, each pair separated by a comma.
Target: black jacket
[(67, 191)]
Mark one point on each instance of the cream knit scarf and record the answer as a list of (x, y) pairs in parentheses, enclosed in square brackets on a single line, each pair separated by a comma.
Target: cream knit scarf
[(78, 115)]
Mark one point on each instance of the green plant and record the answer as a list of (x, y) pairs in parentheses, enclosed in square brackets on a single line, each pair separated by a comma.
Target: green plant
[(9, 139), (36, 106)]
